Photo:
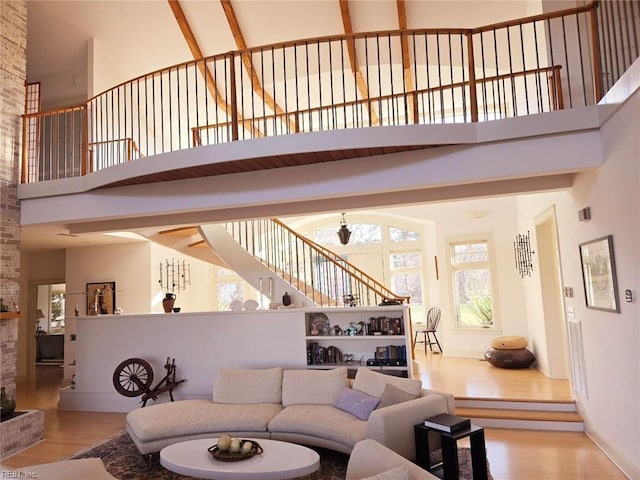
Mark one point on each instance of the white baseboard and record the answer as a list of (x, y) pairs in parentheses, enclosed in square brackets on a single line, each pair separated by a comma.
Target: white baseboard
[(626, 467)]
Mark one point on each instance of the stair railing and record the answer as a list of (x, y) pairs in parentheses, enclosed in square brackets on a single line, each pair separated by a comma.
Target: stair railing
[(321, 275)]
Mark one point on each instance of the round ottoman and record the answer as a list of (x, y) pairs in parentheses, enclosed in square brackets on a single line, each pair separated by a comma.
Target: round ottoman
[(509, 352)]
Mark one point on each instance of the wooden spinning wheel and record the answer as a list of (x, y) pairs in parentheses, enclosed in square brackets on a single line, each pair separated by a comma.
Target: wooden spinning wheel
[(133, 377)]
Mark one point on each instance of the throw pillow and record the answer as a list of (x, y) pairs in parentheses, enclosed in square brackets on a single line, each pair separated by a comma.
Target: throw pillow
[(374, 383), (246, 385), (319, 387), (393, 395), (356, 403), (397, 473)]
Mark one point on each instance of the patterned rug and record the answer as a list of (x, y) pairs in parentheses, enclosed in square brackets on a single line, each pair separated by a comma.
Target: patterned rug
[(123, 461)]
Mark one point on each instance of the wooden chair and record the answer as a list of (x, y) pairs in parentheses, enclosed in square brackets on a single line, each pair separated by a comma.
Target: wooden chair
[(430, 327)]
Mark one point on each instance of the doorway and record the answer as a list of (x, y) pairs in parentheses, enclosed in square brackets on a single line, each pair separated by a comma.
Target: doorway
[(50, 323), (551, 290)]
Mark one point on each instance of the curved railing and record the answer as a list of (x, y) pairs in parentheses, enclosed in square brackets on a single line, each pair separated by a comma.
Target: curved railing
[(422, 76), (315, 271)]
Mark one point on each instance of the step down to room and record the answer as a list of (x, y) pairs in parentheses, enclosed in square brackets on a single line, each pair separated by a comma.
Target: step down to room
[(531, 415)]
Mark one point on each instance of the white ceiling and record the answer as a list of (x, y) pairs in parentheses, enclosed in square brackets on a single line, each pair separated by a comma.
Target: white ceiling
[(136, 37)]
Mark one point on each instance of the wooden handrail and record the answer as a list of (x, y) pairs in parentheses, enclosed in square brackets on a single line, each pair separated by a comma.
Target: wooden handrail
[(553, 69), (333, 257)]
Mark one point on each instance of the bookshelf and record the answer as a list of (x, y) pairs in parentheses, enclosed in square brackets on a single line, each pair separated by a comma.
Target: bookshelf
[(374, 337)]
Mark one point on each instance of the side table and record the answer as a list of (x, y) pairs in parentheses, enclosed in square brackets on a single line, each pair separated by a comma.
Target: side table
[(449, 441)]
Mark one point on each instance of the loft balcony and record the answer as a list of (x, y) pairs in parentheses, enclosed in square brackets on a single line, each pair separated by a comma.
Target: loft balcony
[(557, 61)]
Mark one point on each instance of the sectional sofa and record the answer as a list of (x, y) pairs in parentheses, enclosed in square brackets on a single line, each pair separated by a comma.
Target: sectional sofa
[(321, 408)]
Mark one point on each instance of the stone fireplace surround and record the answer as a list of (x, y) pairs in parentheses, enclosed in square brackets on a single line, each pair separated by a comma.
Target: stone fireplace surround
[(27, 429)]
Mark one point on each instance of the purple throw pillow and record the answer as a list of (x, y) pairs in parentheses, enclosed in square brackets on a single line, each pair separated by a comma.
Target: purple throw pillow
[(356, 403)]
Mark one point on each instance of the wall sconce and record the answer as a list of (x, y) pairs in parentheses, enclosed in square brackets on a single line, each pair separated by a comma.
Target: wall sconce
[(523, 255), (344, 233), (174, 275)]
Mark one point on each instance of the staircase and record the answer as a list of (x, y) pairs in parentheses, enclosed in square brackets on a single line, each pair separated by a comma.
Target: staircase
[(521, 414)]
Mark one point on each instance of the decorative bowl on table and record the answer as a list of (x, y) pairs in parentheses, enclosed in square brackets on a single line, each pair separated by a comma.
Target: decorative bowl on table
[(229, 456)]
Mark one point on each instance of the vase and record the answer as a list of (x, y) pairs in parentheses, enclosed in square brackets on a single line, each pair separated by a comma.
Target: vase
[(168, 301), (286, 299), (7, 404)]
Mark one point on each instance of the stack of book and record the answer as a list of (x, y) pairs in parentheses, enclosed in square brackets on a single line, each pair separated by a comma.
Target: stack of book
[(448, 423)]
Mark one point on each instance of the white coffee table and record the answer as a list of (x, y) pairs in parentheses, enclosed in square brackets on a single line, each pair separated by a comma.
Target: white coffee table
[(279, 460)]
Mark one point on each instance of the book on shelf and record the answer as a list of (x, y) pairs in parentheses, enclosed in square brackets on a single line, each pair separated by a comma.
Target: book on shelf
[(448, 423)]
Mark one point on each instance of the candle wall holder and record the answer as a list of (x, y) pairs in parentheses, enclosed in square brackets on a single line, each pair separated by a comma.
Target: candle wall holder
[(175, 275), (523, 255)]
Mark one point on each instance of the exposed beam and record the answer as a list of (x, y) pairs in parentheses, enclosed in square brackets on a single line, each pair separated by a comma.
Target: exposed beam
[(406, 63), (236, 31), (353, 59), (196, 52)]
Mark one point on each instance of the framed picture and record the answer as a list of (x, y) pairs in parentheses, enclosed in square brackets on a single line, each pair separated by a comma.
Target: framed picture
[(599, 274), (101, 298)]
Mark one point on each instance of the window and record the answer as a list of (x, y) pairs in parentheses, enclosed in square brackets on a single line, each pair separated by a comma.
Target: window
[(360, 234), (406, 278), (472, 291), (399, 235)]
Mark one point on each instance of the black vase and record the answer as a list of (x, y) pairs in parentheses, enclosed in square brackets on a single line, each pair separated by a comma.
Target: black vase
[(7, 404), (286, 299)]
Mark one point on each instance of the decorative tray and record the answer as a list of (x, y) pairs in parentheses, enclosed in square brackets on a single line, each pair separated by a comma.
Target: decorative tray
[(228, 456)]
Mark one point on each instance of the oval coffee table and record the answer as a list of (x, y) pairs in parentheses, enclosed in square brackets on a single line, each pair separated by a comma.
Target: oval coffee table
[(279, 460)]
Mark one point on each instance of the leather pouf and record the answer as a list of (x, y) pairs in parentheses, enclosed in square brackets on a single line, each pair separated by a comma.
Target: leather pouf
[(519, 358)]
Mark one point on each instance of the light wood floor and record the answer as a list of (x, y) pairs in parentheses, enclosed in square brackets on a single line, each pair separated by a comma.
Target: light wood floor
[(513, 454)]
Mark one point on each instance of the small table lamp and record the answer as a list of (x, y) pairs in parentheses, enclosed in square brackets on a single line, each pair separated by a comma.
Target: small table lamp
[(39, 316)]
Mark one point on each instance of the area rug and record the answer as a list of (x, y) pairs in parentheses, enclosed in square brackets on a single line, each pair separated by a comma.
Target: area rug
[(123, 461)]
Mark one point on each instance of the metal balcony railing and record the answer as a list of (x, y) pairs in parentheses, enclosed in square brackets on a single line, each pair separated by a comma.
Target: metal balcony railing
[(563, 59), (318, 273)]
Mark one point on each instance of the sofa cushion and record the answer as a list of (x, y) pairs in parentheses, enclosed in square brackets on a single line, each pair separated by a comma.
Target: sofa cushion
[(397, 473), (245, 385), (392, 395), (356, 403), (312, 386), (192, 417), (374, 383), (322, 421)]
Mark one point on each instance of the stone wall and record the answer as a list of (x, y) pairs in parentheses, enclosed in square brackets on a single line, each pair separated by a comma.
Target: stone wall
[(13, 74)]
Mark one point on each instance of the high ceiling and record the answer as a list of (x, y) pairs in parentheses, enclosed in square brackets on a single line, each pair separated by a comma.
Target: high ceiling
[(70, 43)]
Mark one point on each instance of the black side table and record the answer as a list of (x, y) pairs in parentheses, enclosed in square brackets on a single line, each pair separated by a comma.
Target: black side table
[(449, 441)]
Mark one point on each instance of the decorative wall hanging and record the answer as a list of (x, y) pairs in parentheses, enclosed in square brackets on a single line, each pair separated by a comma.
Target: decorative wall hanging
[(101, 298), (523, 255), (175, 275), (599, 274)]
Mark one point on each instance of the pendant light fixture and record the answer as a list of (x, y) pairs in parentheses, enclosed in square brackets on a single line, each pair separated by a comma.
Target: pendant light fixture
[(344, 233)]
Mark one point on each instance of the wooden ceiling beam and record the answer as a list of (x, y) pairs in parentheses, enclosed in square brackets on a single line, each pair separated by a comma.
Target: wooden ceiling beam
[(406, 61), (236, 31), (196, 52), (353, 59)]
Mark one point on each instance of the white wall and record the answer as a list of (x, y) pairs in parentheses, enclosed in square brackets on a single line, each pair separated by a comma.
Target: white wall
[(612, 340)]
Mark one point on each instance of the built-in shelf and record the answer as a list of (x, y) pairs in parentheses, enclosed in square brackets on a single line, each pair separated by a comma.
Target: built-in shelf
[(9, 315), (354, 337)]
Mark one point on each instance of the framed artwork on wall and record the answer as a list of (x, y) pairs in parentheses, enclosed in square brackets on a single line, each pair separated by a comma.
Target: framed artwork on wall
[(101, 298), (599, 274)]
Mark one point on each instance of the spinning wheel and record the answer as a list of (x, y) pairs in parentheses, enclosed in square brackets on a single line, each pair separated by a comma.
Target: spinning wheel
[(133, 377)]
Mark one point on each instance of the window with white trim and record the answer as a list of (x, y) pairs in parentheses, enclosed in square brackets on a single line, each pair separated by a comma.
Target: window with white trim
[(471, 270)]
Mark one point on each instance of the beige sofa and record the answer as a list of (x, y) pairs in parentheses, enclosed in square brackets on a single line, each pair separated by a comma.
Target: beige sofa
[(311, 407), (78, 469)]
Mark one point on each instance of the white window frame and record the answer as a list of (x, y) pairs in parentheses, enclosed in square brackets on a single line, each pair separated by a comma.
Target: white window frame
[(490, 264)]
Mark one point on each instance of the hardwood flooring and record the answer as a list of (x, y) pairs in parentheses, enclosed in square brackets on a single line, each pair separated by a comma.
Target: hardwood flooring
[(512, 454)]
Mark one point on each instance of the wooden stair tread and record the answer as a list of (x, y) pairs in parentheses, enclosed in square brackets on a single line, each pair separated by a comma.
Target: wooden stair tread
[(517, 400), (537, 415)]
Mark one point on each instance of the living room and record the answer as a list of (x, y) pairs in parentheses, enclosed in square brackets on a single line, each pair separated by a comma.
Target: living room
[(591, 188)]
